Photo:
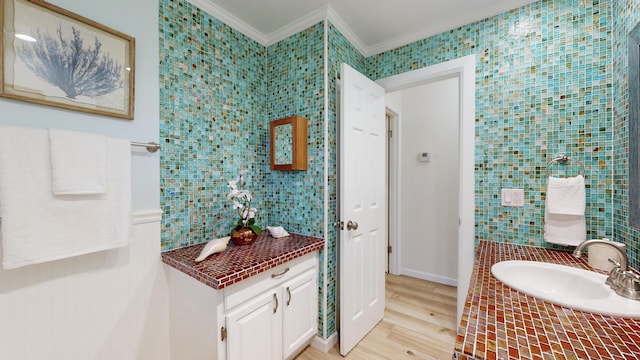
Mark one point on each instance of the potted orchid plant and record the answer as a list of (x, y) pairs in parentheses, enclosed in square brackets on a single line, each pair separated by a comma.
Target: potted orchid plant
[(245, 230)]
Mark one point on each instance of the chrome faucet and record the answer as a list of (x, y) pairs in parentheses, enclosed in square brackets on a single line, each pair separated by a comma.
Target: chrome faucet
[(624, 261), (624, 280)]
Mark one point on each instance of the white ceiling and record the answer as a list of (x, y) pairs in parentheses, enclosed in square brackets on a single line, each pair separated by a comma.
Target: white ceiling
[(373, 26)]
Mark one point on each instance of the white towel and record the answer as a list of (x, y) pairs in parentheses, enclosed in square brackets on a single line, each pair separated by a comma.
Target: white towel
[(38, 226), (78, 162), (566, 196), (564, 221), (277, 231), (569, 230)]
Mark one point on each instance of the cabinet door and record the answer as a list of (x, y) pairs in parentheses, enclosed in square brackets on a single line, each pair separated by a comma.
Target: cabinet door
[(255, 328), (300, 315)]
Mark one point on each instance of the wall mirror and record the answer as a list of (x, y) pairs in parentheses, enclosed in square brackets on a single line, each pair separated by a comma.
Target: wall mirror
[(289, 144), (634, 113)]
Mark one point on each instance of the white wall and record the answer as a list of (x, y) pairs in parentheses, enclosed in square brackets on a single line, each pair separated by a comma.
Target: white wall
[(429, 191), (111, 304), (139, 19), (107, 305)]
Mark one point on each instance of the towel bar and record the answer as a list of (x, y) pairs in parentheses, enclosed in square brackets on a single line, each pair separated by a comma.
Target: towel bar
[(150, 146), (563, 159)]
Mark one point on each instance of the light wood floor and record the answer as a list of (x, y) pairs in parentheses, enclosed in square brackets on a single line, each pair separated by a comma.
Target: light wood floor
[(419, 323)]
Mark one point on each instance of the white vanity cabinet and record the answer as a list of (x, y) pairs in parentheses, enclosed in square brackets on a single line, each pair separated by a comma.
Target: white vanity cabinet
[(300, 310), (254, 329), (272, 315)]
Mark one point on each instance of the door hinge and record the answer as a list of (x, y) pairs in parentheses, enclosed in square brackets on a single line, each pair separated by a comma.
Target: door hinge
[(390, 134), (223, 333), (389, 249)]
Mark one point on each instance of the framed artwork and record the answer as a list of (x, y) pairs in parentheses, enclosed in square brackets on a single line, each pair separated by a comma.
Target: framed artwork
[(54, 57)]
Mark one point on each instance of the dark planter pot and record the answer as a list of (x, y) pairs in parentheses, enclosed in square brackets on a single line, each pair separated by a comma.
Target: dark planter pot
[(243, 236)]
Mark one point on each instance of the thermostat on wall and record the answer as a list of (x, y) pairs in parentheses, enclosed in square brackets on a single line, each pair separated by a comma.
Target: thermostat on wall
[(424, 157)]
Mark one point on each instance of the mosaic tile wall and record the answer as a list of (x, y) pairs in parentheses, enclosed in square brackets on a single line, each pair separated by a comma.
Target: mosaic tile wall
[(212, 118), (543, 87), (626, 16), (340, 50), (295, 86)]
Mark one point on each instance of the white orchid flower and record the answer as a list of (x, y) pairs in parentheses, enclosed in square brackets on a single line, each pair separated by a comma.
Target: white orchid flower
[(234, 193), (241, 198), (237, 205), (246, 194)]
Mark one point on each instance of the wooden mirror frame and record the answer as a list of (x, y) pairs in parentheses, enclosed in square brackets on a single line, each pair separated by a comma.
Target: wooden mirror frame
[(634, 126), (299, 143)]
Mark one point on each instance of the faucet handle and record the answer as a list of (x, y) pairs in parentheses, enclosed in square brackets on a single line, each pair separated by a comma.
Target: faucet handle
[(614, 262), (629, 286), (615, 276), (634, 273)]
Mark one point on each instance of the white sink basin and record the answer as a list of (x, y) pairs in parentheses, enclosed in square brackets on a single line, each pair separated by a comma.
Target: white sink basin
[(567, 286)]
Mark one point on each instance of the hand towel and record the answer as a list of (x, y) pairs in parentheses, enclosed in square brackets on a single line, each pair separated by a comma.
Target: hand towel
[(566, 196), (38, 226), (568, 230), (78, 162), (277, 231)]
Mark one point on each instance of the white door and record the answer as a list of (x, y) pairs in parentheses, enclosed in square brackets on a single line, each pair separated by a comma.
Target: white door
[(363, 239)]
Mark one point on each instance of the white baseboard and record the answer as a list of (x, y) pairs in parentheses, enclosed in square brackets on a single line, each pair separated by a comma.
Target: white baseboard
[(324, 345), (430, 277)]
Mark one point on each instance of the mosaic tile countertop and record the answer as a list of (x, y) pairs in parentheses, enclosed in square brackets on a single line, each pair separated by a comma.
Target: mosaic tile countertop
[(501, 323), (238, 263)]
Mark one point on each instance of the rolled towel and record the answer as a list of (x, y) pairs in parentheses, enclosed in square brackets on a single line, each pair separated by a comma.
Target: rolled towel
[(277, 231)]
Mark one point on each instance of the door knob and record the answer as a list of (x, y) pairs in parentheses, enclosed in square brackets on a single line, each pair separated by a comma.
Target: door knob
[(352, 225)]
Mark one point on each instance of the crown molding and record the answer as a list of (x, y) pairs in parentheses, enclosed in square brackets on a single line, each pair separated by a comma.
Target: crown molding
[(324, 13), (231, 20), (396, 43), (298, 25), (346, 31)]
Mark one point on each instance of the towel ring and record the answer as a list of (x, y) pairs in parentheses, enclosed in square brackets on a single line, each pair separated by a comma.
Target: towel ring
[(563, 159)]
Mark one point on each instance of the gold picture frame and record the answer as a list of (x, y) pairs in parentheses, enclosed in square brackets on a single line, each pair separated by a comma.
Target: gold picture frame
[(52, 56)]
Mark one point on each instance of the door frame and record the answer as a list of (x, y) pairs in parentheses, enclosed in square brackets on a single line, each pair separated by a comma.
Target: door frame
[(464, 69), (394, 177)]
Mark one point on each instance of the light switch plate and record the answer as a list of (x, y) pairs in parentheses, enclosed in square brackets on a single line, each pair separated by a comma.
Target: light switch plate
[(512, 197)]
